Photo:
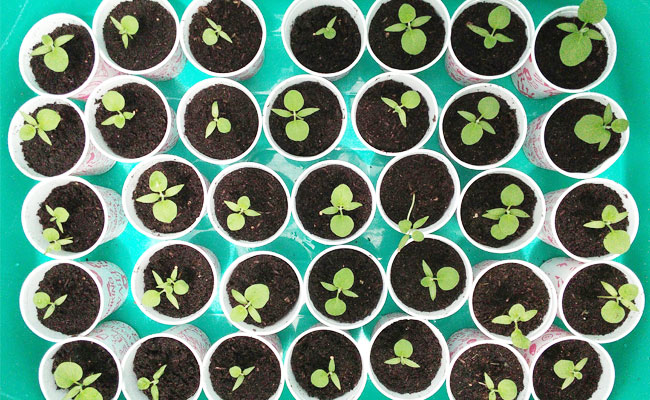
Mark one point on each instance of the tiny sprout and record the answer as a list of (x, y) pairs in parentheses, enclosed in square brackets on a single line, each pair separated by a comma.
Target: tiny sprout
[(127, 27), (499, 18), (409, 99), (144, 383), (172, 286), (488, 108), (616, 241), (236, 220), (328, 32), (297, 129), (343, 281), (219, 123), (114, 102), (237, 373), (612, 311), (54, 239), (576, 46), (56, 58), (59, 216), (68, 375), (321, 378), (516, 314), (46, 120), (255, 297), (163, 209), (565, 369), (508, 218), (413, 40), (507, 389), (403, 349), (42, 300), (596, 129), (341, 199), (410, 229), (446, 277), (212, 35)]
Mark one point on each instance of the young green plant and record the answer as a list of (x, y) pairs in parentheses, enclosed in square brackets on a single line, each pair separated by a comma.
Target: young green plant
[(499, 18), (46, 120), (254, 298), (567, 370), (409, 100), (126, 27), (511, 196), (164, 210), (296, 129), (328, 31), (612, 311), (54, 239), (42, 300), (617, 241), (413, 40), (59, 215), (446, 278), (410, 229), (114, 102), (69, 375), (55, 57), (596, 129), (171, 286), (403, 349), (236, 220), (321, 378), (239, 375), (506, 389), (211, 35), (517, 314), (576, 46), (219, 123), (488, 108), (341, 199), (152, 385), (342, 282)]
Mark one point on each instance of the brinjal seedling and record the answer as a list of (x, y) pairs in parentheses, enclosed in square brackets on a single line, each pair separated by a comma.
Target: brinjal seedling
[(413, 40), (499, 18), (42, 300), (403, 349), (164, 210), (343, 281), (46, 120), (297, 129), (219, 123), (127, 27), (612, 311), (239, 374), (56, 58), (152, 385), (172, 286), (517, 314), (54, 239), (447, 278), (410, 229), (236, 220), (576, 46), (69, 375), (567, 370), (328, 31), (341, 199), (617, 241), (596, 129), (59, 216), (211, 35), (409, 100), (488, 108), (321, 378), (114, 102), (255, 297), (506, 389), (511, 196)]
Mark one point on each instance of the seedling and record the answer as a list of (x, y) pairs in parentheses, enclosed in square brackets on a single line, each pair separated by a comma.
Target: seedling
[(403, 349), (69, 375), (506, 389), (511, 196), (255, 297), (343, 281), (297, 129), (171, 286), (413, 40), (612, 311), (321, 378), (328, 32), (409, 100), (499, 18), (341, 199), (127, 27), (211, 35), (576, 46), (42, 300), (596, 129), (152, 385), (114, 102), (59, 215), (164, 210), (516, 314), (410, 229), (54, 239), (446, 277), (46, 120), (565, 369), (239, 374), (55, 57), (617, 241), (488, 108), (219, 123), (236, 220)]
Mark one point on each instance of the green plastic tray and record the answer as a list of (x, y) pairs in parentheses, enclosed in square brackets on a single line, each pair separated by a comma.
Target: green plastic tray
[(21, 350)]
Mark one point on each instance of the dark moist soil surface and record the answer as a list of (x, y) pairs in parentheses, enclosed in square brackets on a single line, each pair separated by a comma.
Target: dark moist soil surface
[(367, 284), (234, 105), (468, 46), (245, 352), (581, 305), (193, 268), (380, 126), (314, 194), (267, 197), (504, 286), (93, 359), (423, 176), (324, 125), (427, 353), (86, 220), (239, 22), (319, 53), (387, 46), (547, 55), (406, 274), (548, 385), (277, 275), (583, 204), (485, 194), (492, 359), (142, 133), (81, 57), (189, 200), (491, 148), (68, 140), (313, 351), (568, 151)]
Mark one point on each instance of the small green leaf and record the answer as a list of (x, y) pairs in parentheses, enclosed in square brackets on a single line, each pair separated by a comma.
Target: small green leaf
[(617, 242), (48, 119), (130, 24), (563, 368), (471, 133), (113, 101), (148, 198), (67, 374), (157, 182), (467, 115), (406, 13), (319, 378), (478, 30), (620, 125), (487, 127), (238, 313), (448, 278), (257, 294), (581, 364), (305, 112), (344, 279), (508, 224), (41, 300), (165, 211), (502, 320), (494, 214), (595, 224), (519, 340), (628, 291), (612, 312), (419, 21), (335, 307), (609, 214), (341, 225), (574, 49), (238, 297), (489, 383), (89, 394), (503, 38), (160, 372), (413, 41), (89, 380), (568, 381), (410, 99), (174, 190), (56, 60), (507, 389), (396, 28), (592, 11), (61, 299), (512, 195), (499, 18), (489, 107), (49, 311), (420, 222), (497, 233), (144, 383), (181, 287), (330, 210), (335, 380), (151, 298), (210, 37), (393, 361), (27, 132), (568, 27), (403, 348), (293, 100), (297, 130), (252, 311)]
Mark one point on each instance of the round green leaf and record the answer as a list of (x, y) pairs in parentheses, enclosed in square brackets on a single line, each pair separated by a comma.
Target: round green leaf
[(508, 224), (210, 37), (165, 211), (448, 278), (56, 60), (157, 182), (335, 307), (628, 291), (151, 298), (113, 101), (223, 125), (67, 374), (41, 300), (235, 371), (89, 393), (499, 18), (257, 294), (512, 195), (519, 340), (417, 236), (471, 133), (329, 34), (489, 42), (144, 383), (341, 195), (414, 41), (516, 311), (344, 279), (235, 222), (589, 128), (293, 100), (403, 348), (48, 119), (507, 389), (181, 287), (27, 132), (51, 234), (410, 99), (239, 313), (497, 233), (488, 107), (620, 125), (341, 225), (244, 203), (617, 242), (612, 312), (130, 24), (563, 368), (575, 49), (319, 378), (47, 40), (592, 11), (609, 213), (297, 130), (404, 225), (406, 13)]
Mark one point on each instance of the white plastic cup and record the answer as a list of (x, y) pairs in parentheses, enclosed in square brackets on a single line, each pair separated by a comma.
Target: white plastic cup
[(295, 80), (169, 139), (100, 70), (463, 75), (553, 199), (224, 299), (189, 96), (137, 282), (450, 309), (561, 270), (129, 203), (247, 71), (299, 7), (326, 319), (91, 161), (538, 216), (512, 101), (535, 147), (114, 220), (530, 81)]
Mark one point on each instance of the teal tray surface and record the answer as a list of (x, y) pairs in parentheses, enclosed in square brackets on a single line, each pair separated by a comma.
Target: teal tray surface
[(629, 84)]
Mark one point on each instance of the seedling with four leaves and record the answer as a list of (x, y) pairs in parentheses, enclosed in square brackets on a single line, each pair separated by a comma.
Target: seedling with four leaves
[(567, 370), (55, 57), (254, 298), (297, 129), (69, 375), (576, 46), (517, 314), (403, 349), (152, 385), (46, 120), (239, 374), (342, 282), (172, 286), (506, 389), (499, 18), (54, 239), (446, 278), (410, 229), (612, 311), (488, 108), (126, 27), (593, 128), (164, 210), (236, 220), (219, 123), (114, 102), (328, 31), (321, 378), (511, 196), (413, 40), (42, 300), (617, 241), (211, 35), (59, 216), (341, 199), (409, 100)]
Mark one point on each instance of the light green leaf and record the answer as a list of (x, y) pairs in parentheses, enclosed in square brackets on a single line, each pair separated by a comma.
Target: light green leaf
[(519, 340), (595, 224), (239, 297), (499, 18), (568, 27), (575, 49), (40, 50), (232, 206), (420, 222), (516, 311), (89, 394), (489, 383), (487, 127), (51, 234), (489, 42), (448, 278), (612, 312), (210, 37), (393, 361), (497, 233), (257, 294), (144, 383), (489, 107), (528, 315), (319, 378), (181, 287), (27, 132), (502, 320), (329, 286), (56, 60), (60, 300), (252, 311), (419, 21), (471, 133), (244, 203), (620, 125), (89, 380), (609, 213), (617, 242), (396, 28), (500, 37), (592, 11), (410, 99), (467, 115), (151, 298), (341, 195), (628, 291), (417, 236), (67, 374), (238, 313), (568, 381), (519, 213), (113, 101), (390, 103), (293, 100), (494, 214), (330, 210), (130, 24), (165, 211), (414, 42), (335, 380), (41, 300), (305, 112), (173, 191), (403, 348), (581, 364), (157, 182), (148, 198), (297, 130), (512, 195), (508, 224), (344, 279), (406, 13), (335, 307), (402, 116), (478, 30), (48, 119), (507, 389), (427, 270), (49, 311), (563, 368)]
